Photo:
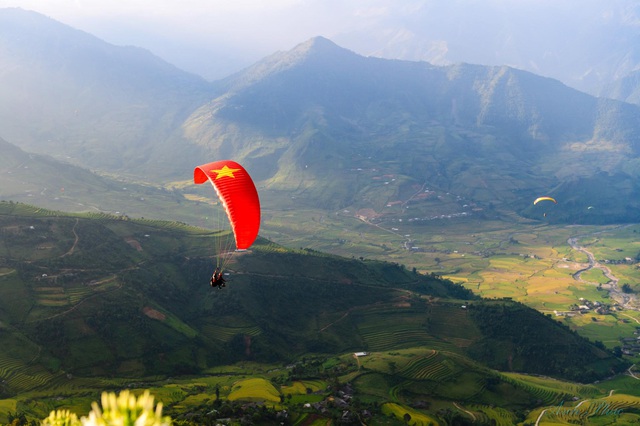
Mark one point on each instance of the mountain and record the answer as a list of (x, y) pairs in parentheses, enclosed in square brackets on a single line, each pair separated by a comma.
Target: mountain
[(584, 44), (69, 94), (95, 295), (55, 184), (322, 122), (625, 89), (322, 127)]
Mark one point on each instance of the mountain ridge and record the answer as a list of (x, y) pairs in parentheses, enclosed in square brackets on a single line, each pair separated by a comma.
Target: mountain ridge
[(533, 123), (495, 135), (69, 93)]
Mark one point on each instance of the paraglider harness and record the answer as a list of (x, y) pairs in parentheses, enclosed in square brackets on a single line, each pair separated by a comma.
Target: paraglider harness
[(217, 280)]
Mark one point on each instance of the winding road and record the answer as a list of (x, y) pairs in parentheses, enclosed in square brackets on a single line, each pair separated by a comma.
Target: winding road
[(75, 241), (627, 301)]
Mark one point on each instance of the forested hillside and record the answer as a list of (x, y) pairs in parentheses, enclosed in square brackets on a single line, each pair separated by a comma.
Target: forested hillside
[(98, 295)]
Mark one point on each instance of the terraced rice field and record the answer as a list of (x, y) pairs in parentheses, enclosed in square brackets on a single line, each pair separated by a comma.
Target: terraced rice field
[(492, 415), (254, 389), (607, 407), (418, 418), (573, 389), (453, 321), (225, 334), (431, 367), (546, 394), (21, 377), (383, 330), (51, 296), (300, 387)]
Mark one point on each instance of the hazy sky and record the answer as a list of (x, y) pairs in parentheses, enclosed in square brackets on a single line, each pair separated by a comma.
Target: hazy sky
[(581, 42), (204, 35)]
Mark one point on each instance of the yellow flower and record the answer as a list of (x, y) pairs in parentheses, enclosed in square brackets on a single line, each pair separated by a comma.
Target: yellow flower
[(122, 410), (61, 418)]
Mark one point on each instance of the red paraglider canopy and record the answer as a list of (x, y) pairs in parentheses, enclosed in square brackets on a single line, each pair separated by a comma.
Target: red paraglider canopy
[(239, 197)]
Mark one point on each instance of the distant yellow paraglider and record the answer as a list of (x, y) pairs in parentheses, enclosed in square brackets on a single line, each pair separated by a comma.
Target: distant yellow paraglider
[(544, 199), (537, 200)]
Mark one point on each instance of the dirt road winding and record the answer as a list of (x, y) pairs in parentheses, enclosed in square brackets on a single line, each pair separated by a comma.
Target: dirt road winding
[(626, 300)]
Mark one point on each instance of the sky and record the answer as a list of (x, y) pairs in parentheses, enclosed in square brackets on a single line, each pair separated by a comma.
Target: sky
[(583, 43), (213, 37)]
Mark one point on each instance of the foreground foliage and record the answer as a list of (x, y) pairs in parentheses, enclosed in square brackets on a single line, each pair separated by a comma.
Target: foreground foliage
[(124, 409)]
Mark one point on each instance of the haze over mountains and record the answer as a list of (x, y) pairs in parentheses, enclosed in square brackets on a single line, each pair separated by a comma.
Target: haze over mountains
[(68, 93), (494, 135), (585, 44)]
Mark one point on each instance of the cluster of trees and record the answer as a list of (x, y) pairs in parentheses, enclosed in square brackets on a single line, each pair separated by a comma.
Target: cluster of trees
[(320, 367), (537, 344), (211, 414)]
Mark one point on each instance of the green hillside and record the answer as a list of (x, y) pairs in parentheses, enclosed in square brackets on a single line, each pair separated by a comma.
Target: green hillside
[(92, 302), (84, 288)]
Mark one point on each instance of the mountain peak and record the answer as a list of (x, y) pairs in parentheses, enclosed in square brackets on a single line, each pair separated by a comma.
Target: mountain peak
[(318, 49), (313, 52), (317, 45)]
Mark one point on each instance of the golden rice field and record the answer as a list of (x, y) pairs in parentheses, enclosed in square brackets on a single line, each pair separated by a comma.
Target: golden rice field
[(530, 262), (605, 411), (8, 405), (418, 418), (300, 387), (254, 389), (595, 276)]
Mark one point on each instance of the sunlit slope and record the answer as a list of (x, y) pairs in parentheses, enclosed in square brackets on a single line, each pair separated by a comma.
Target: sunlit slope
[(55, 184)]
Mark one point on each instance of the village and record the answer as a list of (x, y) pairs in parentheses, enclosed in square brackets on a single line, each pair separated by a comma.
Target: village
[(588, 306)]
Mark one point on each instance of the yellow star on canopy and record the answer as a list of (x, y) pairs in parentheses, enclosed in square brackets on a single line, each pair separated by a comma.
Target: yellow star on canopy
[(224, 171)]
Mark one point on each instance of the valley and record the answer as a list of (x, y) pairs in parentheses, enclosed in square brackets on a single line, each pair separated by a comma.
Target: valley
[(420, 357), (403, 273), (535, 263)]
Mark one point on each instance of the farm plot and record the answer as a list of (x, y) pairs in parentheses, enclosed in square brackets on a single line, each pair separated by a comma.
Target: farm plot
[(224, 329), (454, 323), (493, 415), (433, 366), (51, 296), (20, 377), (417, 418), (254, 389), (607, 408), (304, 387), (547, 390), (383, 330)]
